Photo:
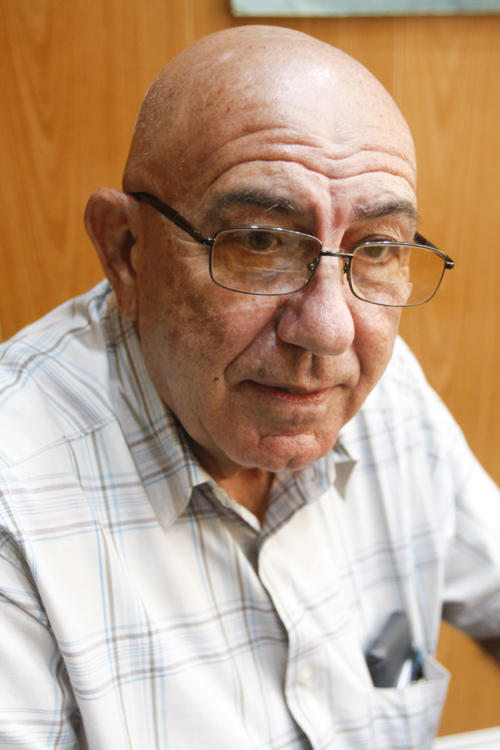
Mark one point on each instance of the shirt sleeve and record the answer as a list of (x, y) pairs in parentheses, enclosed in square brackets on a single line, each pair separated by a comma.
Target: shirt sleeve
[(37, 706), (464, 495), (472, 580)]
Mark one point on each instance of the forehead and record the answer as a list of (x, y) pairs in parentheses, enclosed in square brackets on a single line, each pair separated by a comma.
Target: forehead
[(300, 173), (307, 130)]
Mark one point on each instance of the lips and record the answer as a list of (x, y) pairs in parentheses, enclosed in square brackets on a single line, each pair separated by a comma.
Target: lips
[(292, 395)]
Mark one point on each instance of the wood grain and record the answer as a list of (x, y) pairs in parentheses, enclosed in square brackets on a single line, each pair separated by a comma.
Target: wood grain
[(473, 700), (73, 74), (447, 90)]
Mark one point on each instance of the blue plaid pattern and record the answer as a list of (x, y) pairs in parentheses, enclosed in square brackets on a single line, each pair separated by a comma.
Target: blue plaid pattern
[(142, 608)]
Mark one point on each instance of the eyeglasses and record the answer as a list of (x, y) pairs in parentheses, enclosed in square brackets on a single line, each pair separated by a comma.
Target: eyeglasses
[(274, 261)]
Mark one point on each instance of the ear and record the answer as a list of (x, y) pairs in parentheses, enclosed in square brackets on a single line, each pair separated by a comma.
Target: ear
[(111, 220)]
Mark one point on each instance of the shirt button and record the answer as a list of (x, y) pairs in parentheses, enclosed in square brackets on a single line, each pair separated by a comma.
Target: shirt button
[(305, 675)]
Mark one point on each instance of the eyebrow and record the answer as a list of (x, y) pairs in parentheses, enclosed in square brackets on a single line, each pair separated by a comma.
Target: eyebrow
[(269, 202), (252, 197), (393, 207)]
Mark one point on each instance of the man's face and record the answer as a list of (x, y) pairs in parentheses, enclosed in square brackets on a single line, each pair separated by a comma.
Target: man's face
[(268, 382)]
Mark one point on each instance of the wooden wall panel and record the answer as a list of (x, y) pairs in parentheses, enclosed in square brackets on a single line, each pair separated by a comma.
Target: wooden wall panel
[(449, 90), (73, 73), (473, 700)]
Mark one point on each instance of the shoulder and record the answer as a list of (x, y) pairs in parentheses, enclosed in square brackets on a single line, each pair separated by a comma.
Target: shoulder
[(53, 377), (404, 390), (403, 415), (404, 376)]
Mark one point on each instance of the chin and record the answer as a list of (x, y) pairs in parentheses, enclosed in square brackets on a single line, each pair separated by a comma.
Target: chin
[(293, 452)]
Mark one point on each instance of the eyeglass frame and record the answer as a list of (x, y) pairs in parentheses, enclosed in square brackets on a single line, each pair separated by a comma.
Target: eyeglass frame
[(175, 217)]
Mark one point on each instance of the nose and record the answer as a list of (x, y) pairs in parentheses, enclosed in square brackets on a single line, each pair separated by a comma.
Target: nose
[(319, 318)]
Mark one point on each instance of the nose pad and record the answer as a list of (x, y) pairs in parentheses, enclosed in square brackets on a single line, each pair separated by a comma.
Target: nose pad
[(344, 263), (312, 266)]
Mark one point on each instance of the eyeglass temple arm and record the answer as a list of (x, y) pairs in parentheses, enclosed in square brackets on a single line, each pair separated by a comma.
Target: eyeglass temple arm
[(171, 213), (448, 262)]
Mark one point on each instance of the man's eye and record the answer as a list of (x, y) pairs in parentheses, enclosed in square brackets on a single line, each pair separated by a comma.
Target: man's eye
[(375, 252), (260, 241)]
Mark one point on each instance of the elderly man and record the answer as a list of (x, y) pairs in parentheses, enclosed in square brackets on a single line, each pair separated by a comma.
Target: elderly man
[(223, 477)]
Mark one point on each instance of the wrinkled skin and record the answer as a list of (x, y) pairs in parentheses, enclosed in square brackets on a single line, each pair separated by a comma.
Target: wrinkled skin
[(259, 383)]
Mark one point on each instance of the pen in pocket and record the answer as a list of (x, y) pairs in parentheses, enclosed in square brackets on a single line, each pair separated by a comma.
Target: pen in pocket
[(392, 659)]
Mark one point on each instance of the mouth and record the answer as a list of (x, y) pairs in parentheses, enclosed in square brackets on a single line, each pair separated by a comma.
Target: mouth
[(291, 395)]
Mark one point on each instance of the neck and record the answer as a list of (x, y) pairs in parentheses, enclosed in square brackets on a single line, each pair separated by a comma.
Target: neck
[(249, 487)]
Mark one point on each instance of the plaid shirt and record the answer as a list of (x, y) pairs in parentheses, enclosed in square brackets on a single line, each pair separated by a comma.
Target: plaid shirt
[(143, 608)]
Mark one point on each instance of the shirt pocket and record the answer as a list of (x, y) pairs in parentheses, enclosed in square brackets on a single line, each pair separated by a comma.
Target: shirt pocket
[(408, 717)]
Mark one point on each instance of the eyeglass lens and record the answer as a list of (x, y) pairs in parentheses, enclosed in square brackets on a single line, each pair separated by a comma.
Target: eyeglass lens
[(267, 261), (396, 274), (263, 261)]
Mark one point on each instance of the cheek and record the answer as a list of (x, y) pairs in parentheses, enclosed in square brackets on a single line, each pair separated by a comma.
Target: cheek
[(190, 329), (376, 330), (181, 335), (172, 300)]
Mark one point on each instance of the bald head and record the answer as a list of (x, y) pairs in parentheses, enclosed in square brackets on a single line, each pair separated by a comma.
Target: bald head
[(222, 86), (257, 126)]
